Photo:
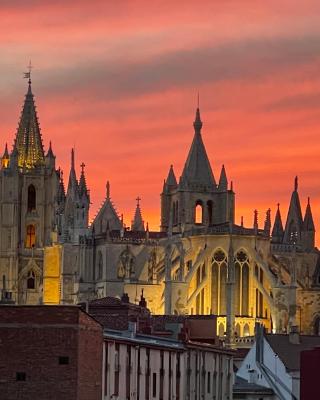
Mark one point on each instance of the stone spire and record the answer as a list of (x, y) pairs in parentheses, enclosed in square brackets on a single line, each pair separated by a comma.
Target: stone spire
[(171, 181), (61, 195), (73, 183), (294, 221), (255, 221), (5, 158), (28, 141), (308, 224), (83, 190), (197, 170), (223, 181), (277, 231), (267, 222), (137, 224), (50, 152)]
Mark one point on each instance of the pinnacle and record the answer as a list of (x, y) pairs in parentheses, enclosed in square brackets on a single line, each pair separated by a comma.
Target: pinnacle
[(223, 181)]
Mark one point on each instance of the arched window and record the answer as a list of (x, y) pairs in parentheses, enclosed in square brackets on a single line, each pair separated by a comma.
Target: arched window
[(100, 265), (198, 213), (316, 326), (238, 333), (210, 212), (31, 198), (214, 288), (223, 281), (246, 330), (237, 289), (31, 236), (245, 289), (31, 280)]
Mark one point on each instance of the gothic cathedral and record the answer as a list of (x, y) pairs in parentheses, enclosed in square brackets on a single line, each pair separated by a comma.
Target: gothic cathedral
[(200, 262)]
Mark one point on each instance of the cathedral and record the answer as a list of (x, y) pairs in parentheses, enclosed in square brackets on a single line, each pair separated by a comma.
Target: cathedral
[(200, 262)]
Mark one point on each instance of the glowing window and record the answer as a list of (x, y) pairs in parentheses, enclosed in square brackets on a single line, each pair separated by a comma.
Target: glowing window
[(198, 214), (31, 236)]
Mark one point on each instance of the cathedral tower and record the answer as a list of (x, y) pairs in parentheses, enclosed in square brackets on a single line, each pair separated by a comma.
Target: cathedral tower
[(197, 200), (29, 182)]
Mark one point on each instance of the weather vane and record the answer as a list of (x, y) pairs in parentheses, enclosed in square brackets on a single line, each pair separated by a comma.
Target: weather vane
[(27, 75)]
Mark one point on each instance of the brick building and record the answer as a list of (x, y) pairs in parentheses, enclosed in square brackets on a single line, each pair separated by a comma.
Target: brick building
[(44, 353)]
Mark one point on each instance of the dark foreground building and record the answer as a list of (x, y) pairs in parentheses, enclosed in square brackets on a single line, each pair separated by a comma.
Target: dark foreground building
[(44, 353), (309, 374)]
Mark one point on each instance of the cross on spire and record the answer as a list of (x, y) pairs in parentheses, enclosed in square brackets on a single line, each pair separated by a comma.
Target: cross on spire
[(82, 167), (28, 74), (138, 201)]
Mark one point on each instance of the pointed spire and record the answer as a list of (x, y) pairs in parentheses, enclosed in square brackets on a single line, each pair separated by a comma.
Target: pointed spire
[(171, 181), (28, 141), (294, 219), (137, 223), (73, 183), (267, 222), (308, 224), (197, 124), (108, 190), (277, 231), (255, 221), (50, 152), (223, 181), (5, 157), (197, 170), (61, 190), (83, 190)]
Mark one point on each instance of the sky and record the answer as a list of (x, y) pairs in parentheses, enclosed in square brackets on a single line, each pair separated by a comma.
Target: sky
[(118, 80)]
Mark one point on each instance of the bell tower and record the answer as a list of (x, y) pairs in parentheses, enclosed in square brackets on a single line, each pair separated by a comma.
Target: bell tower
[(197, 200), (29, 183)]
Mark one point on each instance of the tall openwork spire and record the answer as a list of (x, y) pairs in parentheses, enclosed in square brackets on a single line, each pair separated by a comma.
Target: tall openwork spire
[(197, 170), (28, 141)]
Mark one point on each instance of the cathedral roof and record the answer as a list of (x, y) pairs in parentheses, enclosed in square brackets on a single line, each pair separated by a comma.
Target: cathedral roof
[(308, 224), (137, 223), (28, 141), (197, 170), (107, 215)]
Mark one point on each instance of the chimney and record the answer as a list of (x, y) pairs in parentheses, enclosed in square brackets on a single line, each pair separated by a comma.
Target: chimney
[(294, 336), (125, 298)]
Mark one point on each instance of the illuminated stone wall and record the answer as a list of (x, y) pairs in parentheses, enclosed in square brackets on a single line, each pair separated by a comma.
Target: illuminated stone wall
[(52, 275)]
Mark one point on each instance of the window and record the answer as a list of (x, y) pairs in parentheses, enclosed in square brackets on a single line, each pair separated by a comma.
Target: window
[(154, 384), (20, 376), (31, 280), (31, 198), (63, 360), (198, 213), (208, 383), (100, 265), (31, 236)]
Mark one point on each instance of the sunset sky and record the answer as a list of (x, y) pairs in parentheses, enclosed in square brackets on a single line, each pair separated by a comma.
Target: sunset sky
[(119, 81)]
